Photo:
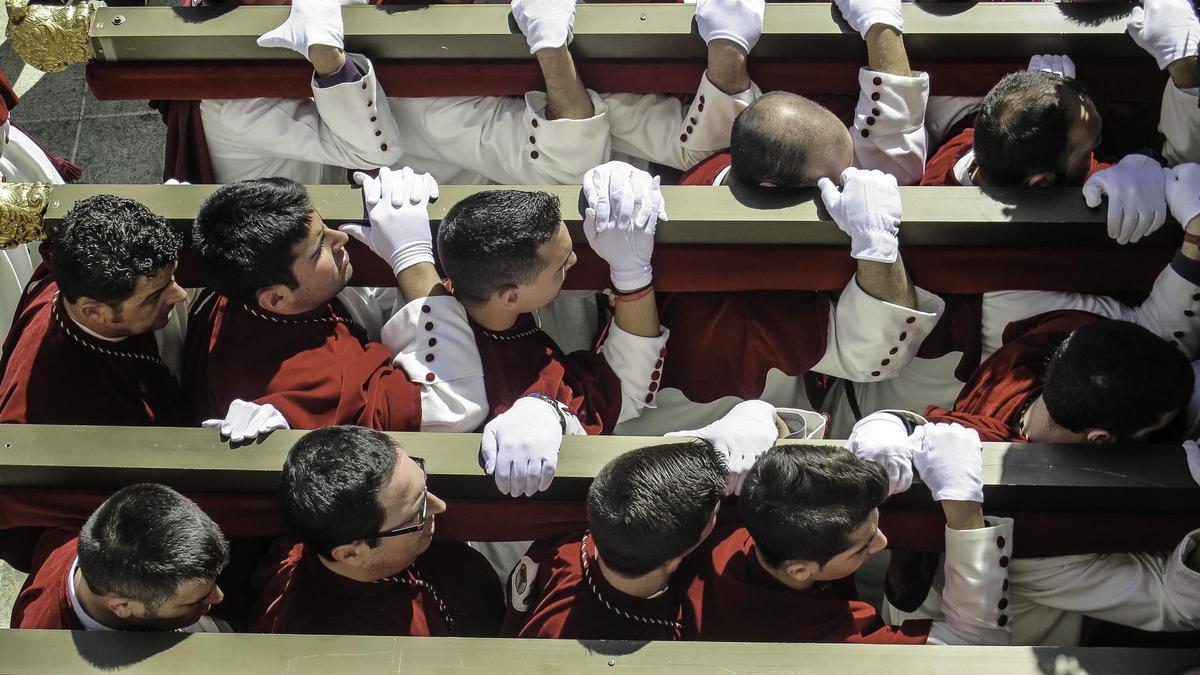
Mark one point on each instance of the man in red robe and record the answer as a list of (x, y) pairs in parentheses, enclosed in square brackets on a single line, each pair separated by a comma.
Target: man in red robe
[(812, 520), (278, 324), (147, 559), (366, 563)]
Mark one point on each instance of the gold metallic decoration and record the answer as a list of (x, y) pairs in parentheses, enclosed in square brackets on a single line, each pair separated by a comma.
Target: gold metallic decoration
[(50, 37), (21, 209)]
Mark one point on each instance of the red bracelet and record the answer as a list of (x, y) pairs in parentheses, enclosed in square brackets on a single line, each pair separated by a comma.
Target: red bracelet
[(616, 296), (1193, 239)]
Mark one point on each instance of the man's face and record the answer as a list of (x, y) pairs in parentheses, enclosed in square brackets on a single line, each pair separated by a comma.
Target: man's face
[(865, 541), (401, 500), (321, 265), (1082, 140), (191, 601), (149, 307), (558, 256)]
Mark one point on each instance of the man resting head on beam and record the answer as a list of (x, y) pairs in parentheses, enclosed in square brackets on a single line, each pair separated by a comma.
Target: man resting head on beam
[(279, 325), (811, 520), (507, 253), (1039, 127), (147, 559), (366, 563), (93, 340)]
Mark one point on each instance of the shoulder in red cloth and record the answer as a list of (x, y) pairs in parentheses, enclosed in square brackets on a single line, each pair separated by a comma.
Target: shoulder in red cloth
[(705, 173), (318, 369), (558, 591), (523, 360), (55, 373), (44, 601), (939, 170)]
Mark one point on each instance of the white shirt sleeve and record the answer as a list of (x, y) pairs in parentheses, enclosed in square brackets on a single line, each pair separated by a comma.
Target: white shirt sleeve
[(974, 605), (1179, 122), (637, 361), (889, 124)]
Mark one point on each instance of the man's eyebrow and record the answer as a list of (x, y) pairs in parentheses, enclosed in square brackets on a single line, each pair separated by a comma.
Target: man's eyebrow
[(320, 244), (868, 544)]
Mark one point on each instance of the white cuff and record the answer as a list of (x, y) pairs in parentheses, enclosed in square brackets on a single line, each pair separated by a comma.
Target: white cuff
[(355, 111), (432, 341), (1182, 582), (899, 108), (564, 149), (637, 361), (976, 590), (709, 120), (875, 338)]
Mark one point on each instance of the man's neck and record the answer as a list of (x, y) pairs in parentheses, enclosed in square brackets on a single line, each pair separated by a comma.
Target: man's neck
[(491, 317), (102, 332), (646, 586), (781, 576), (350, 571), (93, 605)]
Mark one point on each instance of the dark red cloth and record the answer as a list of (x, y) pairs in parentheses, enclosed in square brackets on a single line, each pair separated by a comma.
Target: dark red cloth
[(54, 373), (187, 157), (8, 97), (959, 329), (736, 600), (705, 173), (317, 368), (45, 600), (451, 590), (999, 391), (939, 170), (524, 360), (568, 602)]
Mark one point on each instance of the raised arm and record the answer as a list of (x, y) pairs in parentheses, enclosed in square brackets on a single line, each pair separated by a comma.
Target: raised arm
[(1169, 31)]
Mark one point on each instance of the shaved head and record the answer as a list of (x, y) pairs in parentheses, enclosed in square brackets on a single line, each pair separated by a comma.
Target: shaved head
[(789, 141)]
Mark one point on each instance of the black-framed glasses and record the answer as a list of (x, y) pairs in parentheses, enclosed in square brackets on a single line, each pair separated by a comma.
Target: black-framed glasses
[(420, 524)]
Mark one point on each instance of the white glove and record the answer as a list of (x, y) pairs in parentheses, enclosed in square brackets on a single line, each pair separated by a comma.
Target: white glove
[(868, 209), (950, 461), (173, 181), (883, 438), (862, 14), (310, 22), (739, 21), (1137, 202), (624, 207), (1059, 64), (398, 208), (1183, 192), (1166, 29), (246, 421), (1193, 459), (545, 23), (520, 446), (744, 433)]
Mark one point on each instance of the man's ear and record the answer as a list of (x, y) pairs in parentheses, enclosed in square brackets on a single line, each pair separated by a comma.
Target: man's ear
[(673, 564), (1098, 436), (121, 607), (509, 297), (1042, 179), (348, 553), (96, 312), (801, 570), (274, 298)]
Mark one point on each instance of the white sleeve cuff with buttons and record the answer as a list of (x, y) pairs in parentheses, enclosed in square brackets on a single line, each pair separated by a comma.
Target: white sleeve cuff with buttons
[(638, 362), (1183, 582), (359, 118), (889, 124), (562, 150), (975, 595), (709, 120), (432, 341)]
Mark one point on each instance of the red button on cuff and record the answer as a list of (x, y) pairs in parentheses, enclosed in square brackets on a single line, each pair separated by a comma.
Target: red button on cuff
[(370, 103), (911, 319), (893, 350), (532, 140), (1004, 586), (383, 146), (875, 96), (702, 98), (1000, 542), (649, 398), (430, 377), (885, 362), (429, 325), (662, 352), (875, 112), (865, 133), (364, 85), (693, 120), (1002, 620), (533, 123), (682, 138), (870, 121), (426, 308), (658, 363), (653, 386), (877, 81), (1003, 604), (533, 155), (700, 107), (432, 342), (378, 132), (1178, 333), (689, 129), (903, 336), (655, 375), (1004, 561), (874, 373), (429, 358), (373, 118)]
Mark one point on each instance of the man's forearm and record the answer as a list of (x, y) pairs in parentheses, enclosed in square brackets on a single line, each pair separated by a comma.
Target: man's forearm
[(566, 96), (727, 67), (1189, 248), (963, 515), (419, 281), (1185, 73), (638, 317), (888, 282), (326, 59), (885, 51)]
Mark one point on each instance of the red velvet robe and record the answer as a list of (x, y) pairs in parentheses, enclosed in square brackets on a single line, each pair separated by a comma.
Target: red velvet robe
[(524, 360), (997, 394), (736, 599), (568, 602), (318, 368), (450, 591), (939, 170), (45, 600), (55, 373)]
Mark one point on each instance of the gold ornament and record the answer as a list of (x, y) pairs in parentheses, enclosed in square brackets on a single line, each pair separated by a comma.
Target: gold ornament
[(50, 37), (21, 209)]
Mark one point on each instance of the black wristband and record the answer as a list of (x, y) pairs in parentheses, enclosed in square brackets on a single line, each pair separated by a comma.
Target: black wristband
[(562, 418)]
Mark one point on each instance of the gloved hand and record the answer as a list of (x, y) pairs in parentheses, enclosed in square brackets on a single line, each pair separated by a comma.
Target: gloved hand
[(868, 209), (862, 14), (1193, 459), (950, 461), (398, 208), (883, 438), (545, 23), (1137, 203), (739, 21), (1183, 192), (310, 22), (744, 433), (1167, 29), (246, 421), (520, 446), (1059, 64), (174, 181), (624, 207)]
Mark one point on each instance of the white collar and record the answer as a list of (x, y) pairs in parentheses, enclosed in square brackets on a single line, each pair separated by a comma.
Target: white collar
[(87, 330), (88, 622), (962, 168), (721, 176)]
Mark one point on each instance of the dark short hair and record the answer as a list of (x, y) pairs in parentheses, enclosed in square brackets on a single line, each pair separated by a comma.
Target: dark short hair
[(652, 504), (147, 539), (777, 137), (1116, 376), (330, 486), (104, 244), (1023, 124), (490, 241), (245, 233), (802, 502)]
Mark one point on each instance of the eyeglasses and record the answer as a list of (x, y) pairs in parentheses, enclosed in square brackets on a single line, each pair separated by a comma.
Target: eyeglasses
[(420, 525)]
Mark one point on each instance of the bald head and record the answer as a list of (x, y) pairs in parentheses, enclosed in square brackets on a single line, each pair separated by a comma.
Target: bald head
[(787, 140)]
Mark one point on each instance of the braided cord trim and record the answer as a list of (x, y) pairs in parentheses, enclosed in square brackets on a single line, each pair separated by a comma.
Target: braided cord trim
[(587, 574)]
